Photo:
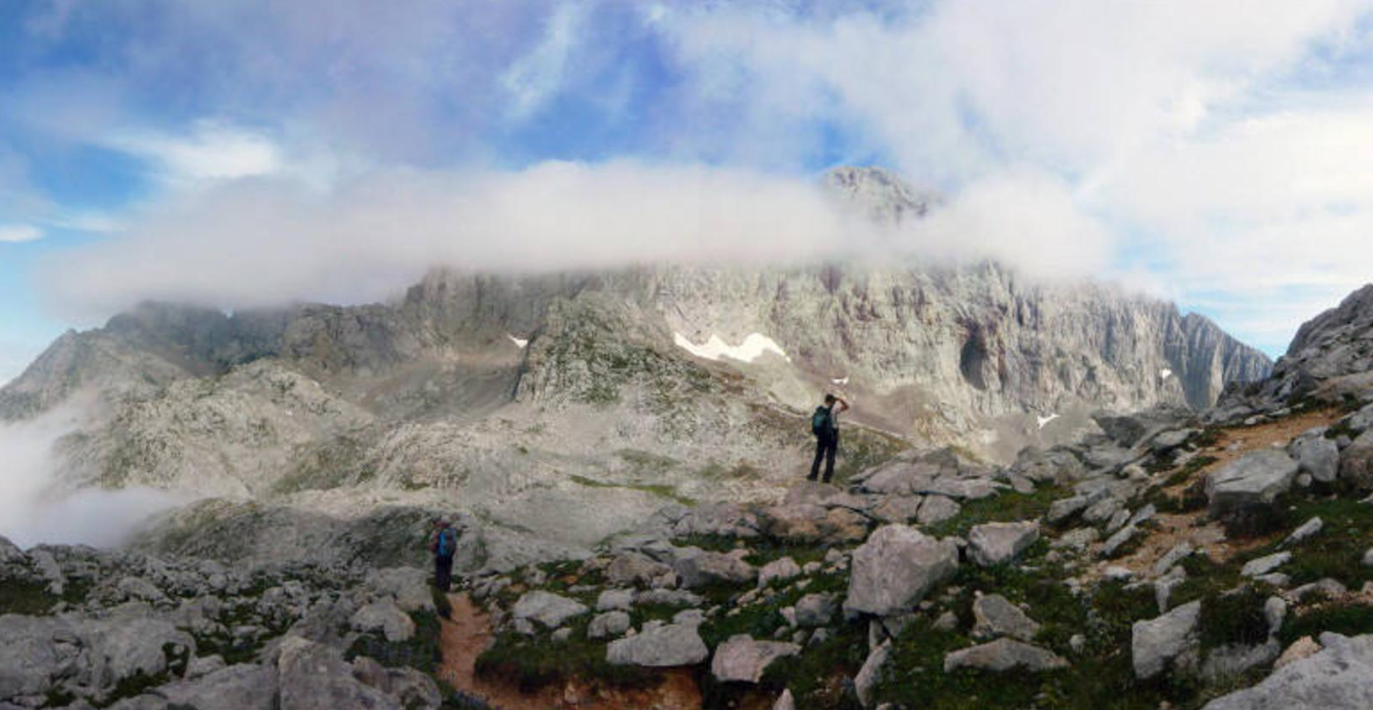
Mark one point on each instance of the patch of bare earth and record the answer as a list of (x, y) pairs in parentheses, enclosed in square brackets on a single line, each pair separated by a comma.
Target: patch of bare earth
[(465, 635), (1195, 527)]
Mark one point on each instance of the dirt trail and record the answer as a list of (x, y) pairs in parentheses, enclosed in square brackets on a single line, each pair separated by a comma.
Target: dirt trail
[(1193, 527), (465, 636)]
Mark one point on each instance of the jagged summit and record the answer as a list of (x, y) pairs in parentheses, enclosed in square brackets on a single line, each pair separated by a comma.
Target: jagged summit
[(881, 193)]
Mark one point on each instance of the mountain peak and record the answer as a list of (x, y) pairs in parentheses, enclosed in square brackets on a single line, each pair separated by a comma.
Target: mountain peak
[(882, 193)]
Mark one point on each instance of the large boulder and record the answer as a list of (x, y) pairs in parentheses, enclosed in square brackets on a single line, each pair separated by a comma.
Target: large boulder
[(241, 687), (894, 569), (634, 568), (409, 586), (866, 680), (549, 609), (1157, 642), (1317, 456), (741, 659), (1249, 484), (1003, 655), (30, 654), (809, 523), (659, 646), (1337, 678), (315, 677), (992, 544), (701, 569), (1356, 462), (994, 616), (383, 615)]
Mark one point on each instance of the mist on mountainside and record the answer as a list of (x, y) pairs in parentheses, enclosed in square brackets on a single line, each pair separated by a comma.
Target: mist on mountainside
[(36, 508)]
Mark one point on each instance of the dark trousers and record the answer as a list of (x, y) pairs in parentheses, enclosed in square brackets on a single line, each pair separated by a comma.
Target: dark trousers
[(825, 448), (443, 573)]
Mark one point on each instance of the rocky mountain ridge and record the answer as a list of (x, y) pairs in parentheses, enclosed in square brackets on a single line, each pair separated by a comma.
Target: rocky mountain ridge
[(1215, 564)]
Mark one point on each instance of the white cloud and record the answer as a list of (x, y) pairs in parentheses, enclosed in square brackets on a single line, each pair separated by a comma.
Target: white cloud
[(263, 242), (12, 233), (539, 75), (36, 507), (211, 151)]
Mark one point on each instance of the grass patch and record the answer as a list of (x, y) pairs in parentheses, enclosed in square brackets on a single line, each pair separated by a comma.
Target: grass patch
[(1233, 619), (1005, 507), (25, 597), (1350, 620), (661, 491), (534, 662), (422, 652)]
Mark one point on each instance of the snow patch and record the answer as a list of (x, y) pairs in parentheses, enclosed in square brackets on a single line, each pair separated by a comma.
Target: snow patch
[(1165, 373), (1044, 421), (841, 381), (753, 347), (519, 342)]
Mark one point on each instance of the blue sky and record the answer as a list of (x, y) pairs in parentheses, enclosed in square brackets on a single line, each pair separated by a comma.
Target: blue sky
[(249, 151)]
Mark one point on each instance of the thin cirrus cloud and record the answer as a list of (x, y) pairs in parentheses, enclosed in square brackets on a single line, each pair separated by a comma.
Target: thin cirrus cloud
[(15, 233)]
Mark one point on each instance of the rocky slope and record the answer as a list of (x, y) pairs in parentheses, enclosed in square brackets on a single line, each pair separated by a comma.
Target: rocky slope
[(515, 399)]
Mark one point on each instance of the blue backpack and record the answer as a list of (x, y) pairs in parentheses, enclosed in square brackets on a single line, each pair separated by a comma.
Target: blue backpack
[(446, 544), (820, 423)]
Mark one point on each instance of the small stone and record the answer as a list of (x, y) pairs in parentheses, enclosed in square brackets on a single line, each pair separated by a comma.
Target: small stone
[(1264, 565), (1304, 647), (867, 677), (1307, 529), (995, 617), (609, 624), (1003, 655), (992, 544)]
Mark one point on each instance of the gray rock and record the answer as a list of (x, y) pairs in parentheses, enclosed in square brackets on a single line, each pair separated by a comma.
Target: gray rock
[(705, 568), (1305, 531), (785, 701), (995, 617), (1003, 655), (895, 568), (815, 610), (1337, 678), (383, 615), (607, 625), (409, 586), (897, 509), (1356, 462), (689, 617), (1156, 643), (992, 544), (1117, 541), (866, 680), (1275, 613), (936, 509), (315, 677), (741, 659), (633, 568), (615, 599), (1368, 557), (780, 570), (1249, 483), (659, 647), (240, 687), (1064, 508), (1264, 565), (1317, 456), (549, 609), (1180, 552)]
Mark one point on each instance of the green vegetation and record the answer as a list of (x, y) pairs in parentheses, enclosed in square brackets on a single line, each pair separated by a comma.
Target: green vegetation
[(534, 662), (1347, 619), (1235, 618), (661, 491), (25, 597), (1007, 507), (422, 652)]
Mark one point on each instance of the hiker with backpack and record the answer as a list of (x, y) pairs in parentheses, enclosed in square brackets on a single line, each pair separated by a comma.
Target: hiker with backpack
[(824, 424), (443, 543)]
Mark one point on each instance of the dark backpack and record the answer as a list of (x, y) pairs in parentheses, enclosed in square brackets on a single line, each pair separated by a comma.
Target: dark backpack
[(447, 543), (820, 422)]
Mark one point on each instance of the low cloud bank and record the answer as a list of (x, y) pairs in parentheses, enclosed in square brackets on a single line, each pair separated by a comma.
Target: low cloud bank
[(35, 508), (264, 241)]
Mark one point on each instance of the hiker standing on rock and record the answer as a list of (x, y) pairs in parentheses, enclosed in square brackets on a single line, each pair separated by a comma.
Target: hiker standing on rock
[(443, 543), (825, 425)]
